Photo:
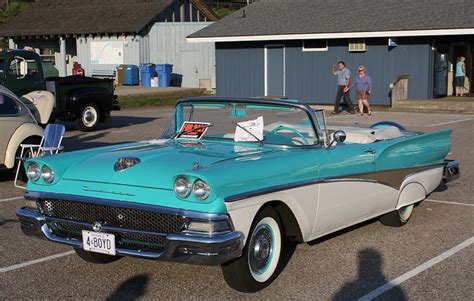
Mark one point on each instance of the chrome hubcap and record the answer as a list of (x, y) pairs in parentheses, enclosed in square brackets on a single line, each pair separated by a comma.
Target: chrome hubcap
[(89, 116), (261, 249)]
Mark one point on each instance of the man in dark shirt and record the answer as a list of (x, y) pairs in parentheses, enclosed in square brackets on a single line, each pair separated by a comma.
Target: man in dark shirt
[(343, 86)]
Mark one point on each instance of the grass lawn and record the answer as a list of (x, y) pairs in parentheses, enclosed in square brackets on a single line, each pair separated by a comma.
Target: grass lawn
[(157, 99)]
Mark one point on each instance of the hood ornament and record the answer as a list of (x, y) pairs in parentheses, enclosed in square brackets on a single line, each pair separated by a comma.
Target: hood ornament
[(125, 162)]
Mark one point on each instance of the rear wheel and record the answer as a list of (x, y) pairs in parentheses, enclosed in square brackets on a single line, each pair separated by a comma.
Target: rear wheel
[(96, 257), (262, 255), (398, 217), (89, 119)]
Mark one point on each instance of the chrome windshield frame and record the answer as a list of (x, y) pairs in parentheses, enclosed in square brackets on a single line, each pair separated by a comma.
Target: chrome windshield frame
[(256, 101)]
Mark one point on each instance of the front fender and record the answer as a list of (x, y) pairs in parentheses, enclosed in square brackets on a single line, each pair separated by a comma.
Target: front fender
[(301, 202), (23, 132)]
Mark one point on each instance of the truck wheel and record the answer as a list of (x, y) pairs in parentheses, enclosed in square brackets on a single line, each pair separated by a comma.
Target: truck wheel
[(260, 262), (89, 119), (398, 217), (96, 257)]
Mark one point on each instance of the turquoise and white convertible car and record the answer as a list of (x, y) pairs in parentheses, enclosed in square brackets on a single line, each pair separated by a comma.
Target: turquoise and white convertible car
[(232, 182)]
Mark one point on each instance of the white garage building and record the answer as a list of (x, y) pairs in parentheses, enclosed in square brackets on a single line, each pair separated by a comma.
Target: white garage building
[(102, 34)]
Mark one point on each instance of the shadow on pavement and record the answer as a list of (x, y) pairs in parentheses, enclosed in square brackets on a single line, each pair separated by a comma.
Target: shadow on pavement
[(7, 221), (86, 141), (369, 277), (132, 289)]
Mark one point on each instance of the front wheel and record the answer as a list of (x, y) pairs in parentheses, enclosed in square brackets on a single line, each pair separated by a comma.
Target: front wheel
[(398, 217), (261, 259), (89, 119), (96, 257)]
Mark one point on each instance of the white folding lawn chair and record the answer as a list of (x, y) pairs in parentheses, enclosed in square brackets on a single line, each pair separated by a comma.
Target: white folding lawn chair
[(50, 145)]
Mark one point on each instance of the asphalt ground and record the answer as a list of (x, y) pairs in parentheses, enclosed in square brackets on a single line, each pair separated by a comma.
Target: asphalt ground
[(430, 258)]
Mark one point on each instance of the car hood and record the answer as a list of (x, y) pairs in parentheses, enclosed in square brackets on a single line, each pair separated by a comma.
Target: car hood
[(157, 162)]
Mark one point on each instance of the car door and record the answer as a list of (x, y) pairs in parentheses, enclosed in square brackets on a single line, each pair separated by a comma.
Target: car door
[(346, 190), (10, 119)]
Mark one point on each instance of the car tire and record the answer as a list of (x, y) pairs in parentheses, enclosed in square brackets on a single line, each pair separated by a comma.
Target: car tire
[(262, 255), (96, 258), (26, 154), (398, 217), (89, 119)]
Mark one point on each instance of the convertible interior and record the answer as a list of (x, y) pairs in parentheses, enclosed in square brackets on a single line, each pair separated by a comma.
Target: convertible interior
[(295, 134), (367, 135)]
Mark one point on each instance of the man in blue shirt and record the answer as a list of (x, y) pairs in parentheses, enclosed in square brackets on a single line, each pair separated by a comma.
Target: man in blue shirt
[(343, 86)]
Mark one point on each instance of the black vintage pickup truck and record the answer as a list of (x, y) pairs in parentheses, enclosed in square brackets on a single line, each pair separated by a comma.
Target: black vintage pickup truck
[(87, 101)]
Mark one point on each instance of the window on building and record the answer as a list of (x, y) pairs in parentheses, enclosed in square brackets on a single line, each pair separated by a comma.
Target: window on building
[(315, 45), (48, 55), (357, 45), (8, 106)]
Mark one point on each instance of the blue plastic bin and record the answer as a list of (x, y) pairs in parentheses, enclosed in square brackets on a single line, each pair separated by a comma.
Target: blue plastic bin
[(147, 71), (164, 74), (131, 75)]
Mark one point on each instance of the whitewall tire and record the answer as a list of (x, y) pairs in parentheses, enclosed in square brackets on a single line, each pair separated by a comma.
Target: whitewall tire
[(261, 260), (89, 119), (264, 249)]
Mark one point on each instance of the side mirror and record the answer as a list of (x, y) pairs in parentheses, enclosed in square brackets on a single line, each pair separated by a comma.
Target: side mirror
[(339, 137)]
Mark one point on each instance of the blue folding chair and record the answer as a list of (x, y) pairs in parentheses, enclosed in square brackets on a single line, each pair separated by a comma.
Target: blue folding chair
[(50, 145)]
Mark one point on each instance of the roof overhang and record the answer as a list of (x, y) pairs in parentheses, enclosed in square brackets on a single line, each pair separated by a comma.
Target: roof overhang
[(339, 35)]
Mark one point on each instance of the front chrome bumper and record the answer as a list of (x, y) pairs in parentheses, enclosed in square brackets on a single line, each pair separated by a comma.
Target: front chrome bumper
[(193, 248), (451, 170)]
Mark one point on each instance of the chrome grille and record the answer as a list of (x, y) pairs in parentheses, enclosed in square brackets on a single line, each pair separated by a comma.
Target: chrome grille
[(112, 216), (118, 217)]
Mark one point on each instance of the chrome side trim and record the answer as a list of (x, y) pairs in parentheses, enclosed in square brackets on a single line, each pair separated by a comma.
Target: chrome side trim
[(361, 177)]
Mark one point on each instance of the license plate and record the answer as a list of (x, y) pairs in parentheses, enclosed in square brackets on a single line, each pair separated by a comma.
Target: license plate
[(98, 242)]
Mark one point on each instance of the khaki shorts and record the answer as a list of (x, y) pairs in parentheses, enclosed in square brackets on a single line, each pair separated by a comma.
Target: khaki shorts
[(362, 95)]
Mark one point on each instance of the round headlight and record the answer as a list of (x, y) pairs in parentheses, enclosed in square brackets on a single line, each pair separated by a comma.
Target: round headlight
[(47, 174), (182, 187), (33, 172), (201, 190)]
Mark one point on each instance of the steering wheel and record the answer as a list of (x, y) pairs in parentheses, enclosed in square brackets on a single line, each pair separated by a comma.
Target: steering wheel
[(294, 131)]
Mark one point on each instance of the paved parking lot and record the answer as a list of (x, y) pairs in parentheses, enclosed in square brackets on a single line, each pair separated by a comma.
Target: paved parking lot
[(431, 258)]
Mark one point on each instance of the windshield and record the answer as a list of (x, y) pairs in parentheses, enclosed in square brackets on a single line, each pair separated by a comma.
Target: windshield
[(242, 122)]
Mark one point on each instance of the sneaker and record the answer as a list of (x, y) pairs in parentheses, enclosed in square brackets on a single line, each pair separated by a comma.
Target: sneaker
[(334, 113)]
